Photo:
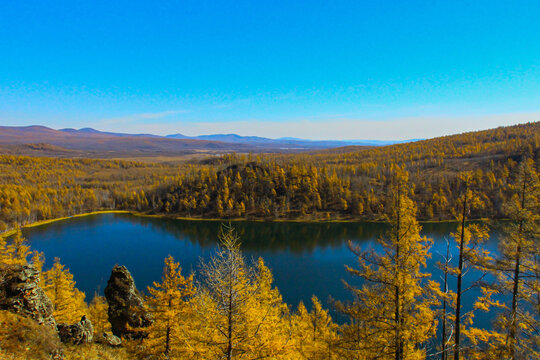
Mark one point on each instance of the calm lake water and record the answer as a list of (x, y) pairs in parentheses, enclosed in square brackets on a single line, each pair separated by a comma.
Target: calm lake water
[(306, 258)]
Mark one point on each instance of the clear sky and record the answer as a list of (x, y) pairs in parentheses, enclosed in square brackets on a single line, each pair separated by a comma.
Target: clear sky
[(312, 69)]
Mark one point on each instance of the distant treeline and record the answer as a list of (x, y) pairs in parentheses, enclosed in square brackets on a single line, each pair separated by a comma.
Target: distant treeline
[(332, 184)]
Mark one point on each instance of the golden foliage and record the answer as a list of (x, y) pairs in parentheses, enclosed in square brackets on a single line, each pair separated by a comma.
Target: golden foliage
[(234, 311), (240, 314), (170, 303), (97, 313), (23, 338), (68, 302), (16, 251), (315, 334), (345, 183), (393, 314)]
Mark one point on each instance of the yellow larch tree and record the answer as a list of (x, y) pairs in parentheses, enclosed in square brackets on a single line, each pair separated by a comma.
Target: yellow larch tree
[(270, 318), (97, 313), (38, 259), (469, 238), (515, 333), (15, 251), (170, 303), (315, 334), (520, 254), (392, 316), (240, 314), (3, 250), (68, 301)]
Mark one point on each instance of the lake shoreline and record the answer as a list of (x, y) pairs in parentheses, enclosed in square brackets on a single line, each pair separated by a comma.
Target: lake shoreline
[(49, 221), (184, 218)]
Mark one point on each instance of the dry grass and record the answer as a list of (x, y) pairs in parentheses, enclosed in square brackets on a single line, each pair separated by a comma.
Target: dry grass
[(22, 338), (95, 352)]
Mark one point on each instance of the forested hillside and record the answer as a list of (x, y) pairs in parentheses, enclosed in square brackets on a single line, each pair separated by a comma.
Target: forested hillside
[(33, 189), (353, 185), (335, 184)]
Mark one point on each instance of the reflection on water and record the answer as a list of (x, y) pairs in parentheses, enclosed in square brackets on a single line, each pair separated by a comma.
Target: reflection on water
[(306, 258)]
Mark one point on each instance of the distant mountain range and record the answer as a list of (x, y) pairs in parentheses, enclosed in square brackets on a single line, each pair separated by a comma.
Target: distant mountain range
[(41, 140), (94, 143), (287, 142)]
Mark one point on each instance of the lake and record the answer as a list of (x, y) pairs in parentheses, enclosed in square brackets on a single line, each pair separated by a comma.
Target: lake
[(306, 258)]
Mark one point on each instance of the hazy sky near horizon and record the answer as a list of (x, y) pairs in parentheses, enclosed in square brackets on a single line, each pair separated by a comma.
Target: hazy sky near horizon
[(311, 69)]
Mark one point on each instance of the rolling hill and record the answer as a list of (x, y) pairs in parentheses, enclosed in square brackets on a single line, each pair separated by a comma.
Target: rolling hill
[(36, 140), (87, 142)]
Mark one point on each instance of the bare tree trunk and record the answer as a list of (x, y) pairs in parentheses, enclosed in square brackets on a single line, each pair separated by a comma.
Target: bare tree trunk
[(515, 289), (167, 341), (397, 315), (459, 278), (168, 335), (229, 326), (444, 354)]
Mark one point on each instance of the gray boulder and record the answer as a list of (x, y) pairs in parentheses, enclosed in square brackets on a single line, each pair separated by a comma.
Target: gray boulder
[(78, 333)]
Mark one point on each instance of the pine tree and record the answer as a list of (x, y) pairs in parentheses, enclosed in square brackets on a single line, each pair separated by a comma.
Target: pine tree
[(392, 316), (170, 303), (59, 286)]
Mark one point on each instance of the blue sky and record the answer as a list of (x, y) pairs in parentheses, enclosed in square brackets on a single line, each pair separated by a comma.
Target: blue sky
[(311, 69)]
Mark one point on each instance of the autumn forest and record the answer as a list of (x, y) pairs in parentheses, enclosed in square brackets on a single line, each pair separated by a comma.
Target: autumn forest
[(341, 184), (230, 308)]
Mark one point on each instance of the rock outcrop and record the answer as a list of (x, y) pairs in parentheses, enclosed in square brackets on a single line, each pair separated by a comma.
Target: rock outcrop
[(110, 339), (125, 305), (20, 293), (78, 333)]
